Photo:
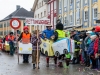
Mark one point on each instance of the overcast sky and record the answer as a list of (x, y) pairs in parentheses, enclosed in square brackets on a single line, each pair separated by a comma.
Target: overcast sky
[(8, 6)]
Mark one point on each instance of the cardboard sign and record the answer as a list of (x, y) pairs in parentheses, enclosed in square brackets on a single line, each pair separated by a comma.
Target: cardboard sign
[(59, 46), (32, 21), (25, 48)]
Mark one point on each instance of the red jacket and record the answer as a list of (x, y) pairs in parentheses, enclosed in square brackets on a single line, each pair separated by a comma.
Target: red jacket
[(96, 43), (0, 40), (6, 38)]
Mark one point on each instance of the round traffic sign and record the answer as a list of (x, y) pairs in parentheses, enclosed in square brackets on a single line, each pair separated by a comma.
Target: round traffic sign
[(15, 23)]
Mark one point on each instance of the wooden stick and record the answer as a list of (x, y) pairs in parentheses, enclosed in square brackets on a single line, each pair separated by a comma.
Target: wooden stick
[(37, 49), (17, 43)]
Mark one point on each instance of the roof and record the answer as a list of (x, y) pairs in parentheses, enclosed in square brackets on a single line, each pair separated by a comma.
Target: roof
[(20, 13), (34, 5)]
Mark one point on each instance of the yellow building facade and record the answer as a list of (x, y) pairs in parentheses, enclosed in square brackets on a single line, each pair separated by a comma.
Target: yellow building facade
[(79, 13)]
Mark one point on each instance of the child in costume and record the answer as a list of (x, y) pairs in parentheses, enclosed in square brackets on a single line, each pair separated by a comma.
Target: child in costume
[(67, 58), (59, 34)]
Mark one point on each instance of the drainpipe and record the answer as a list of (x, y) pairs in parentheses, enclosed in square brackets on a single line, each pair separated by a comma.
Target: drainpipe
[(90, 7)]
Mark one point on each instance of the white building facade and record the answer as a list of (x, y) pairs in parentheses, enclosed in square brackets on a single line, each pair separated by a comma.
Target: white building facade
[(40, 12)]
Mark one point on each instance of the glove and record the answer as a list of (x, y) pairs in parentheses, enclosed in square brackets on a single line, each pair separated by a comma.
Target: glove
[(45, 39)]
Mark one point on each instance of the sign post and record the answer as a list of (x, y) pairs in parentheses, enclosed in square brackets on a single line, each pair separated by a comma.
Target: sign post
[(15, 24)]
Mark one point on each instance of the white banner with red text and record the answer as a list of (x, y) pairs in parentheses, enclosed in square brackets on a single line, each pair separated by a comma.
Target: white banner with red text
[(33, 21)]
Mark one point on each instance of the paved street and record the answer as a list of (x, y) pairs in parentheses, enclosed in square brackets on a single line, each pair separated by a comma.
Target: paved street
[(10, 66)]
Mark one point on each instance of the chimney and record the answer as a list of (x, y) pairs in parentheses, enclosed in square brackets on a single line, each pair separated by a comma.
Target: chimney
[(17, 7)]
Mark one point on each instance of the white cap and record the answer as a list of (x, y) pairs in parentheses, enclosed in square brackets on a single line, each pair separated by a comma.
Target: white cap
[(81, 39), (88, 32)]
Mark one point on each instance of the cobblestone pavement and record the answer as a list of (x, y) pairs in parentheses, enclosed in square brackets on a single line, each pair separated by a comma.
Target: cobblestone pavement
[(9, 66)]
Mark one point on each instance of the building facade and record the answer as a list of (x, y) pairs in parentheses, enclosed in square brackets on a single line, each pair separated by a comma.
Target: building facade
[(19, 13), (79, 13), (40, 12), (53, 12)]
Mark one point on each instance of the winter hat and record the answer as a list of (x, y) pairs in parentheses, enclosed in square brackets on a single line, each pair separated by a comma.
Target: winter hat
[(93, 37), (26, 27), (89, 32), (59, 26), (97, 29)]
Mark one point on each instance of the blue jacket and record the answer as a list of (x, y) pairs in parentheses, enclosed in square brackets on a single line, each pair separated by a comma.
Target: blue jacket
[(48, 33), (90, 50)]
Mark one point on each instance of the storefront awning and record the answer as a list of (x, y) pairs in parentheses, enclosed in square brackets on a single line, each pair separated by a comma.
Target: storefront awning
[(72, 27), (81, 29)]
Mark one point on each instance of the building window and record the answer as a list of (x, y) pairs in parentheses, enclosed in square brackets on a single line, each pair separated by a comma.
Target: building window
[(5, 25), (38, 15), (77, 0), (86, 15), (1, 32), (71, 1), (86, 1), (37, 6), (5, 33), (42, 3), (71, 19), (41, 15), (65, 3), (35, 16), (1, 26), (95, 12), (60, 4), (94, 0), (8, 24), (78, 5), (77, 15), (44, 13), (65, 20)]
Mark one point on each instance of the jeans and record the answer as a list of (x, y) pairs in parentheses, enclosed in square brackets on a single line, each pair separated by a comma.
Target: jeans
[(11, 49), (83, 56), (87, 59), (93, 62), (25, 57), (76, 58), (98, 63)]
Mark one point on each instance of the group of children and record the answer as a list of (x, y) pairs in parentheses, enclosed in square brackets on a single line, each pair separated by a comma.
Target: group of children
[(90, 49)]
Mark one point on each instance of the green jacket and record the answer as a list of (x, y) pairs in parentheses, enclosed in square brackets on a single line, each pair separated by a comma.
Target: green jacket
[(68, 55)]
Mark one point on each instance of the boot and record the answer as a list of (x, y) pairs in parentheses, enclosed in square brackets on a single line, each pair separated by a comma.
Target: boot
[(34, 66), (47, 65), (38, 66), (73, 61), (55, 60), (24, 61), (47, 60), (60, 64)]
